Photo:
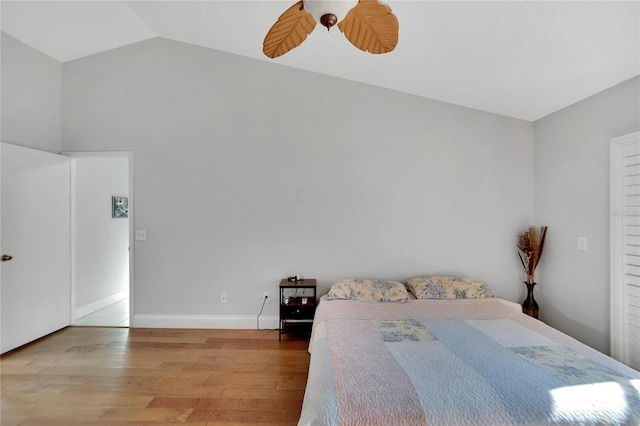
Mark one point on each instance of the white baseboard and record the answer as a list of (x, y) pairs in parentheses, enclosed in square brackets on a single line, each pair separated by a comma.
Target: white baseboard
[(99, 304), (243, 322)]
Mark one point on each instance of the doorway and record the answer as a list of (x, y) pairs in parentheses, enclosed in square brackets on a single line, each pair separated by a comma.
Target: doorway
[(102, 249)]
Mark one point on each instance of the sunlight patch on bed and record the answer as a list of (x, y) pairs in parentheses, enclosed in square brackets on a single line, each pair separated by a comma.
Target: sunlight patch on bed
[(591, 403)]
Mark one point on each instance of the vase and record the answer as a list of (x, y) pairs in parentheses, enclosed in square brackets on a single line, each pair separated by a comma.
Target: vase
[(530, 306)]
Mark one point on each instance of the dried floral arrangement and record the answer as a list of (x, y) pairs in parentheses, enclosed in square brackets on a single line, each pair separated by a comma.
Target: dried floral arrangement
[(530, 245)]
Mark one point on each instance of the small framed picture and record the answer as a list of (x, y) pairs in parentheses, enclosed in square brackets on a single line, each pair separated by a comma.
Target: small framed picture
[(119, 207)]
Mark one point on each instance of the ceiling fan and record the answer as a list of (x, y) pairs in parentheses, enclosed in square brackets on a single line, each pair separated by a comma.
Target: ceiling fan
[(368, 24)]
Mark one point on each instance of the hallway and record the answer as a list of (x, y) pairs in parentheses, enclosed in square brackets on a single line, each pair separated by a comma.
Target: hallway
[(115, 315)]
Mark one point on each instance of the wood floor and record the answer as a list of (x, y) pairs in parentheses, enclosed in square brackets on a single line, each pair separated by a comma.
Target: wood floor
[(115, 376)]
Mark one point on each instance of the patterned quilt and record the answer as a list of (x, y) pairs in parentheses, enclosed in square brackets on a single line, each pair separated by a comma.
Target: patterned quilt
[(457, 362)]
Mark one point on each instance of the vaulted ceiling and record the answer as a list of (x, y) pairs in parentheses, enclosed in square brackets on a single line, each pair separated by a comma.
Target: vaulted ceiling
[(523, 59)]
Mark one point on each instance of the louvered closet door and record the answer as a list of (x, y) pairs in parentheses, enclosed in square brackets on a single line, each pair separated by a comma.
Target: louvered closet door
[(625, 249)]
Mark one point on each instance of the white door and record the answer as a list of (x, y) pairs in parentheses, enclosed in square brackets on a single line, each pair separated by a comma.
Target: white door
[(625, 249), (35, 230)]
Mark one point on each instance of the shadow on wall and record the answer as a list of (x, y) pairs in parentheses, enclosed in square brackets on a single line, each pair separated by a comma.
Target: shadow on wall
[(585, 334)]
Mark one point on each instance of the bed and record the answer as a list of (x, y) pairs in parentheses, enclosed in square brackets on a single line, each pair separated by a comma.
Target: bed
[(454, 354)]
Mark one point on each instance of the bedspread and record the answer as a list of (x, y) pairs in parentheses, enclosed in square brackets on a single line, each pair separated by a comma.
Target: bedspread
[(470, 361)]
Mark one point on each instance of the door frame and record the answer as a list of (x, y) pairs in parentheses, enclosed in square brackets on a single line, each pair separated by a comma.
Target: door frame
[(102, 154)]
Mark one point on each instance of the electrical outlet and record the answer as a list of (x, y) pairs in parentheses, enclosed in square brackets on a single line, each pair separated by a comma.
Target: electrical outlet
[(223, 297), (267, 297)]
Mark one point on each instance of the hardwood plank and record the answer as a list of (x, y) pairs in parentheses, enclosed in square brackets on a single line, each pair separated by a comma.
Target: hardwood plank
[(226, 404), (12, 380), (71, 414), (99, 399), (16, 362), (243, 393), (105, 363), (121, 376), (292, 384), (266, 417), (26, 384), (88, 370), (241, 374), (167, 415), (22, 369)]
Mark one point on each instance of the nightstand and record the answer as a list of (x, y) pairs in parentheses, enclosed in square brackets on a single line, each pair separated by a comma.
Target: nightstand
[(297, 306)]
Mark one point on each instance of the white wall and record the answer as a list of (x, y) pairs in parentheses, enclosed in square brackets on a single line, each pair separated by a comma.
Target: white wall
[(239, 185), (102, 260), (571, 181), (31, 94), (247, 172)]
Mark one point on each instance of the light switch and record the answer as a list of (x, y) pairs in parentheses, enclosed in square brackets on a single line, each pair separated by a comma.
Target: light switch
[(141, 235), (582, 243)]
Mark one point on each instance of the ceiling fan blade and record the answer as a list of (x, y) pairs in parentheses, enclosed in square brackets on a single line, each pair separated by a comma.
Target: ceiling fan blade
[(370, 26), (289, 31)]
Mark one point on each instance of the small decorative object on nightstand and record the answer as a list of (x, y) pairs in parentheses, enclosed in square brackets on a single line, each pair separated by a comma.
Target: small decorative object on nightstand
[(297, 306)]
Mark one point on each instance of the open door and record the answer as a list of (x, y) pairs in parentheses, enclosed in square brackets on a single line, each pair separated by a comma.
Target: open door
[(35, 235)]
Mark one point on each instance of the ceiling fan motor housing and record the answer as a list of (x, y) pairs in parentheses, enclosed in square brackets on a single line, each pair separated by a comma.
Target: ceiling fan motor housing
[(329, 12), (328, 20)]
